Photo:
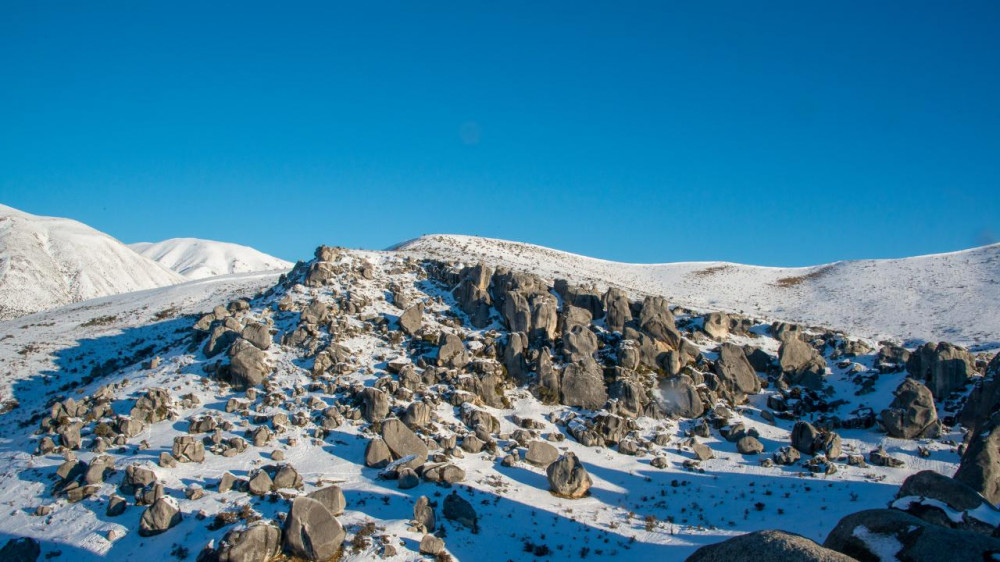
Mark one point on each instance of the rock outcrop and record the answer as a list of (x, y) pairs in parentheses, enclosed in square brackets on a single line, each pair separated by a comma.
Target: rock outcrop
[(567, 477), (912, 413)]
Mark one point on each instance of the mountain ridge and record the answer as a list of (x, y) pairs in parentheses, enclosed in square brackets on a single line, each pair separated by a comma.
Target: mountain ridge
[(48, 261), (197, 258), (952, 296)]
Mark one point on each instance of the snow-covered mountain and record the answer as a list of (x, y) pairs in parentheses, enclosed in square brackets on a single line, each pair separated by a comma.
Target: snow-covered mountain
[(357, 390), (953, 296), (46, 262), (196, 259)]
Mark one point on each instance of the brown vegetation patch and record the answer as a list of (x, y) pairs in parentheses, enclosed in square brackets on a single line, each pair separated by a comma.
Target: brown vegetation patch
[(795, 281)]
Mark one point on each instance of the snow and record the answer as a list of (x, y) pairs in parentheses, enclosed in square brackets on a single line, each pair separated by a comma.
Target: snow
[(634, 511), (196, 259), (884, 546), (47, 262), (985, 513), (731, 494), (952, 297)]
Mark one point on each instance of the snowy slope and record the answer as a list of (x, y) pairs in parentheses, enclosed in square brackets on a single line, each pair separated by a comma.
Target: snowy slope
[(34, 342), (196, 259), (634, 511), (47, 262), (953, 296)]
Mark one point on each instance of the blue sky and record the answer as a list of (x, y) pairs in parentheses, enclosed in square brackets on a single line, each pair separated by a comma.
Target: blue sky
[(774, 133)]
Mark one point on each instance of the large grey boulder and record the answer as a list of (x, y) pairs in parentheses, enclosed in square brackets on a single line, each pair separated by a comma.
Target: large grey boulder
[(423, 514), (680, 397), (444, 472), (549, 379), (374, 404), (458, 509), (544, 317), (452, 352), (162, 515), (20, 549), (259, 541), (69, 435), (153, 406), (944, 501), (811, 441), (411, 320), (188, 448), (984, 399), (801, 364), (219, 339), (417, 415), (248, 366), (534, 314), (716, 325), (579, 342), (701, 451), (260, 483), (630, 397), (944, 367), (573, 316), (137, 477), (736, 373), (656, 320), (912, 413), (377, 454), (479, 420), (617, 309), (402, 442), (316, 312), (583, 385), (980, 466), (429, 544), (285, 476), (473, 296), (749, 445), (541, 453), (880, 534), (332, 498), (515, 358), (311, 531), (258, 334), (583, 297), (567, 477), (767, 546)]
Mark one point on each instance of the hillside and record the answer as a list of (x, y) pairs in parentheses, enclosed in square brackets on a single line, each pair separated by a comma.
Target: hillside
[(953, 296), (196, 259), (48, 262), (395, 408)]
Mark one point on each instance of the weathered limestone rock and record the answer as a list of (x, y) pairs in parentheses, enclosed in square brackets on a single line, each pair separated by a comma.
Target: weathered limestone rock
[(248, 366), (912, 413), (402, 442), (767, 546), (583, 385), (412, 319), (311, 531), (944, 367), (162, 515), (567, 477), (259, 541)]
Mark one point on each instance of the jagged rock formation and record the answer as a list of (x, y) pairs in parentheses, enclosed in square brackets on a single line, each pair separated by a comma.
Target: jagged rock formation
[(404, 374)]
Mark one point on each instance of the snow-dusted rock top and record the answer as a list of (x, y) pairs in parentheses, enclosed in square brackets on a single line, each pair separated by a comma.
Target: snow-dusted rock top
[(48, 262), (953, 296), (196, 259)]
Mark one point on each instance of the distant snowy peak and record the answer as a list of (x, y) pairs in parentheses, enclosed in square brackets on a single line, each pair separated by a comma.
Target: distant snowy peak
[(47, 262), (953, 297), (196, 259)]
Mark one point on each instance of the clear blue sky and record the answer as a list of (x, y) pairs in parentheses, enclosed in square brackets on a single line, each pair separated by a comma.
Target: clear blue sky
[(772, 133)]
